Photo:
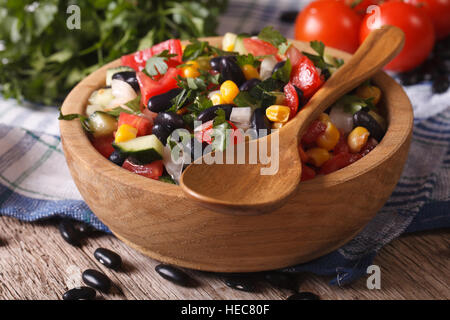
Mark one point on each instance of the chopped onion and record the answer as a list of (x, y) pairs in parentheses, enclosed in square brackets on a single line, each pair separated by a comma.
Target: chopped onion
[(241, 115), (267, 66), (90, 109), (122, 92), (341, 119), (173, 168)]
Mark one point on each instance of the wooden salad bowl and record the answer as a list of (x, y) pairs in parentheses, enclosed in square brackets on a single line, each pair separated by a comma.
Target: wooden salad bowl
[(157, 218)]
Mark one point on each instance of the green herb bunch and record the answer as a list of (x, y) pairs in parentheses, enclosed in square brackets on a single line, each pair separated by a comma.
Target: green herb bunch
[(41, 59)]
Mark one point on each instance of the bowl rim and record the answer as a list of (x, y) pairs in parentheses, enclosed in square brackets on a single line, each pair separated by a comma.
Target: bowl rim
[(74, 137)]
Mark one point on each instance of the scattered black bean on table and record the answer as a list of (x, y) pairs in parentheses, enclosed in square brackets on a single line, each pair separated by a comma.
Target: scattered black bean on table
[(108, 258), (80, 293), (303, 296), (282, 280), (240, 282), (97, 280), (175, 275), (70, 233)]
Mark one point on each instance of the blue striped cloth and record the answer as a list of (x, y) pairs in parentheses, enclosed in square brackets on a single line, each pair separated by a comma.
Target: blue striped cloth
[(35, 182)]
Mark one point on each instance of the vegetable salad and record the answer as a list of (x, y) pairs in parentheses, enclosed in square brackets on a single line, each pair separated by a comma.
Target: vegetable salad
[(200, 96)]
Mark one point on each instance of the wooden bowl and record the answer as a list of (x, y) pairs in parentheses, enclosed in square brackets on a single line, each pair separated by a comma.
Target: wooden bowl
[(157, 219)]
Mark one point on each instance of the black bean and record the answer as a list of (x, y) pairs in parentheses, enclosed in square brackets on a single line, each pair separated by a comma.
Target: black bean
[(304, 296), (259, 122), (215, 63), (230, 70), (70, 233), (363, 119), (175, 275), (80, 293), (108, 258), (440, 84), (278, 66), (162, 102), (210, 113), (288, 16), (240, 282), (170, 120), (249, 84), (411, 77), (299, 96), (129, 77), (97, 280), (161, 132), (282, 280), (326, 73), (117, 158)]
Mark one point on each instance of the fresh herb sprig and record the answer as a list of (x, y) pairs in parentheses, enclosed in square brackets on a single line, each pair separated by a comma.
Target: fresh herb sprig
[(156, 65)]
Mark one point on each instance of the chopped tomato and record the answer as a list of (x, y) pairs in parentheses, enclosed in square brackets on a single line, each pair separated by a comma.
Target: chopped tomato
[(292, 99), (307, 173), (315, 129), (339, 161), (138, 59), (150, 115), (143, 125), (369, 146), (150, 87), (204, 132), (104, 145), (258, 47), (152, 170), (294, 55), (306, 77), (342, 145)]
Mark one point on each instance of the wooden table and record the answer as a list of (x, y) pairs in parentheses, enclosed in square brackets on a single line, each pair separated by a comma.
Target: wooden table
[(36, 263)]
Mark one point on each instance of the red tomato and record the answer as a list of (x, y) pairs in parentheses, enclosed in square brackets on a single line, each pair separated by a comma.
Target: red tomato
[(338, 161), (439, 13), (315, 129), (258, 47), (307, 173), (150, 88), (417, 26), (362, 6), (291, 99), (294, 55), (149, 115), (143, 125), (204, 132), (152, 170), (306, 77), (331, 22), (104, 145), (138, 59)]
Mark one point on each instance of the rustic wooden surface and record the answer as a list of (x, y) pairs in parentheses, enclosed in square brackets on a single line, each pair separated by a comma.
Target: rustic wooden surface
[(36, 263)]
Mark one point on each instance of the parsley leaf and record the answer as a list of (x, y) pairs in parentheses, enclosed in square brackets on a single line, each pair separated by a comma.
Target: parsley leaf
[(72, 116), (283, 74), (318, 59), (219, 118), (250, 59), (353, 104), (157, 64), (272, 36)]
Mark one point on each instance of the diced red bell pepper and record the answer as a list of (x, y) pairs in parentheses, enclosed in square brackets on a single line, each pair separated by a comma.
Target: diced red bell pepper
[(138, 59), (152, 170), (291, 99), (339, 161), (306, 77), (258, 47), (143, 125), (308, 173), (315, 129), (150, 88), (104, 145)]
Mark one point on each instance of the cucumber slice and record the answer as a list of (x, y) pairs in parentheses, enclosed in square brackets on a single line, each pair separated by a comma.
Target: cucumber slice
[(111, 72), (228, 41), (102, 124), (239, 45), (101, 97), (141, 150)]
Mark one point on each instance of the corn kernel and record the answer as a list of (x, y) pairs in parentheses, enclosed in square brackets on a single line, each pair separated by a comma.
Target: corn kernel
[(182, 111), (193, 63), (125, 133), (277, 113), (250, 72), (229, 48), (217, 99), (317, 156), (329, 138), (190, 72), (324, 117), (366, 92), (357, 139), (277, 125), (229, 90)]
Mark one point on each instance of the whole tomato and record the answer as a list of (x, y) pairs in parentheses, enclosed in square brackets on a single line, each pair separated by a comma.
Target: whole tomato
[(360, 6), (417, 26), (439, 13), (330, 21)]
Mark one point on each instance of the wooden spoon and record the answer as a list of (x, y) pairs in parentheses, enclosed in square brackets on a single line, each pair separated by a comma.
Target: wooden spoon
[(241, 188)]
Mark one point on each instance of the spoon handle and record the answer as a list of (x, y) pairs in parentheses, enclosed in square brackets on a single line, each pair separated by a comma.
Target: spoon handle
[(379, 48)]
